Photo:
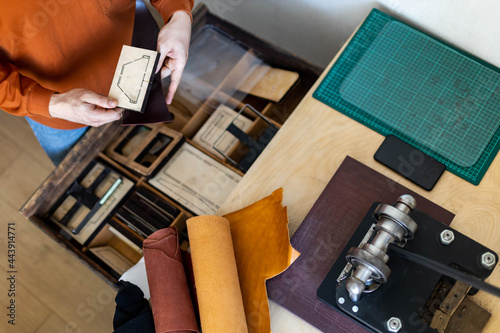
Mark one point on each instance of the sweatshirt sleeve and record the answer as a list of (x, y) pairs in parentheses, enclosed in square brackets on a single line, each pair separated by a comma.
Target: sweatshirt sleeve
[(167, 7), (20, 95)]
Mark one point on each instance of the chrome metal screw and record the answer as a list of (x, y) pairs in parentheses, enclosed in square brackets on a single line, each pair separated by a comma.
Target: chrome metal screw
[(341, 300), (355, 308), (394, 324), (447, 237), (488, 260)]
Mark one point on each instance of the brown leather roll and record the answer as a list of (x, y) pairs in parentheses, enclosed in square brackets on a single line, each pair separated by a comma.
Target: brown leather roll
[(170, 299)]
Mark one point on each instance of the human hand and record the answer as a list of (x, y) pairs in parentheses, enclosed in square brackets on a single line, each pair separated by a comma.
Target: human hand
[(173, 46), (84, 107)]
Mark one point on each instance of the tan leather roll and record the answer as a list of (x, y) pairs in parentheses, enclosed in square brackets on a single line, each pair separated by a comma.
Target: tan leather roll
[(216, 276)]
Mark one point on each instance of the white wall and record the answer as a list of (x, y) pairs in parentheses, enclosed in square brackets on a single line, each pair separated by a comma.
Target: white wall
[(313, 29), (316, 29)]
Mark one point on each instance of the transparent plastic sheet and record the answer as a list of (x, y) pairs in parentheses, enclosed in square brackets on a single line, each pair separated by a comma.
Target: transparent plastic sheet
[(216, 67)]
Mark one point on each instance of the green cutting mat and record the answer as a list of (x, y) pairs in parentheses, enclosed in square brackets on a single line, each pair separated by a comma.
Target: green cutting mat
[(398, 80)]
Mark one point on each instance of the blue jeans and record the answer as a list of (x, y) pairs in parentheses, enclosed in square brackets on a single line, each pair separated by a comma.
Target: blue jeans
[(56, 142)]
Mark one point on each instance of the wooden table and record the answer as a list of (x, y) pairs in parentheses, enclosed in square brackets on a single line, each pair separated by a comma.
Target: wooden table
[(310, 147)]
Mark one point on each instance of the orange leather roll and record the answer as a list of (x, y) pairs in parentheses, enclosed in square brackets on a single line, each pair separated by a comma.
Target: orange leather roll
[(216, 275), (170, 299)]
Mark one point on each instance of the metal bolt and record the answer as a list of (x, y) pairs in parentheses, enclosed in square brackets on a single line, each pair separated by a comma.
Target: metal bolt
[(394, 324), (341, 300), (355, 308), (447, 237), (488, 260), (407, 200)]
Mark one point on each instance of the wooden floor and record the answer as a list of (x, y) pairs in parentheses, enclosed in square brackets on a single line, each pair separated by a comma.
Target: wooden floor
[(54, 292)]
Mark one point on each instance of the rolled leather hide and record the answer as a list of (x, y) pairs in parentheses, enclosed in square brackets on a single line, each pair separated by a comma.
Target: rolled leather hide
[(170, 299)]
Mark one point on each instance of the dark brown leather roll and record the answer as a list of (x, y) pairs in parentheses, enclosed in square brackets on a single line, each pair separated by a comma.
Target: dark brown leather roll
[(170, 298)]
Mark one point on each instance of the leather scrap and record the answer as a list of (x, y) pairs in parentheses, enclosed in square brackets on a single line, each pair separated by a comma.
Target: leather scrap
[(145, 36), (262, 250)]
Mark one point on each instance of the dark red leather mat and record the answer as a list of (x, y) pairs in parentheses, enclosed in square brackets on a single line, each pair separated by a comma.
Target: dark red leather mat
[(325, 232)]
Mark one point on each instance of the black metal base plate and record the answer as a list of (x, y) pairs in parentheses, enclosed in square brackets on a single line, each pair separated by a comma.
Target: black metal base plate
[(410, 285)]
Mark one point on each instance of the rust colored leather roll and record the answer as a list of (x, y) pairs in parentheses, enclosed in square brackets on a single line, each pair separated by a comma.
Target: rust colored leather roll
[(170, 299), (216, 275)]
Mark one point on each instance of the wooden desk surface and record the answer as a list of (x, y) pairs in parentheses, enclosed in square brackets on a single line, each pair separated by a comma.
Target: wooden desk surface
[(307, 151)]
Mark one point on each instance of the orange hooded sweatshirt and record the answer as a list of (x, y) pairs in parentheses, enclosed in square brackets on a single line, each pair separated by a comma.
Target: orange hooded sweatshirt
[(49, 46)]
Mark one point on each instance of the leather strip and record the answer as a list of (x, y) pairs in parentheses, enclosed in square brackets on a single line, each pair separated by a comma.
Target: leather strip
[(145, 36)]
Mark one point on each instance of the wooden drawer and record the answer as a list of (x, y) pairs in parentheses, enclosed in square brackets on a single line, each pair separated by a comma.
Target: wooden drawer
[(189, 116)]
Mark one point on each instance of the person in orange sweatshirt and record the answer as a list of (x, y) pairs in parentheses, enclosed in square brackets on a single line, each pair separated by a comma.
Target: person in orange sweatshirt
[(58, 58)]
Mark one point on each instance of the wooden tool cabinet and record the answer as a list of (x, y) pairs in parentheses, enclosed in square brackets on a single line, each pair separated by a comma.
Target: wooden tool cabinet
[(189, 116)]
